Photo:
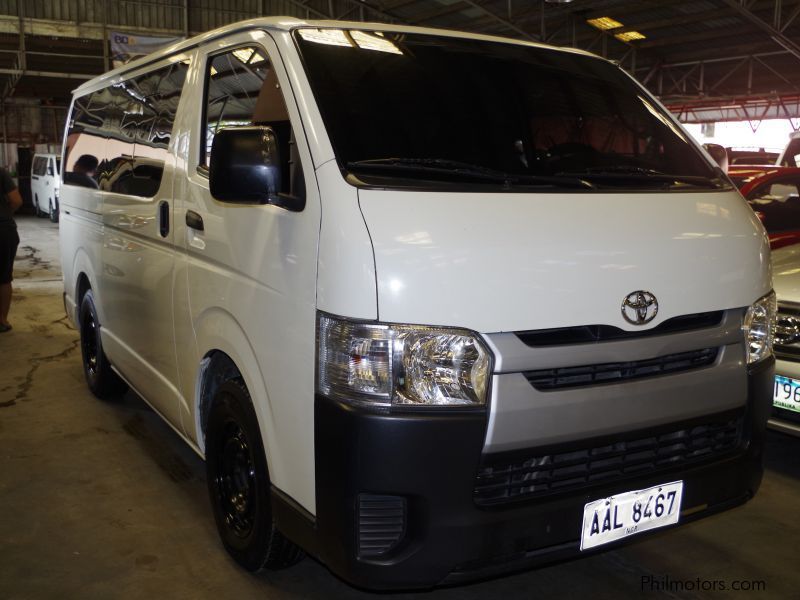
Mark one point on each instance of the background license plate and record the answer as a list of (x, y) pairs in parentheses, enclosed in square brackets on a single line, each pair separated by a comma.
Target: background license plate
[(620, 516), (786, 393)]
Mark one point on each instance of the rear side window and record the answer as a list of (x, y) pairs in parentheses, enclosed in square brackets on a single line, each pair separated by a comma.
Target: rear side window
[(122, 133), (86, 140), (242, 89), (778, 205)]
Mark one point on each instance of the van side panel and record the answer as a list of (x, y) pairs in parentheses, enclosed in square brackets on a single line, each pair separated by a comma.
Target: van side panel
[(250, 278), (138, 250)]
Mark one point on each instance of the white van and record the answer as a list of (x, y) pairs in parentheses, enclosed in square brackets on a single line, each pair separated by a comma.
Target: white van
[(431, 305), (790, 157), (45, 185)]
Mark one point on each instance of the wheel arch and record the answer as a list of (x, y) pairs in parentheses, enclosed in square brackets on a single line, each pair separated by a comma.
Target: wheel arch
[(84, 280), (227, 353)]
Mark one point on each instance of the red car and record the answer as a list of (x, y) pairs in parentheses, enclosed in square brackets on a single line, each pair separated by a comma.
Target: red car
[(774, 193)]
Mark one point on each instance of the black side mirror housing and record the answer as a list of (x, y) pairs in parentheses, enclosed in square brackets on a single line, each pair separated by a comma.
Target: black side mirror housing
[(246, 167)]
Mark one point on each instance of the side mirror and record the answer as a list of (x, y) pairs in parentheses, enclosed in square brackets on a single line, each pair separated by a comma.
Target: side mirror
[(246, 166), (719, 154)]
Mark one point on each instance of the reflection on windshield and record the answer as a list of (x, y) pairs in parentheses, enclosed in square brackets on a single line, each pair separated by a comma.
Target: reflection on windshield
[(393, 101)]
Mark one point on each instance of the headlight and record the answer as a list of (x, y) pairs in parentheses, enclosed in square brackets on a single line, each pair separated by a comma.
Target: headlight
[(759, 328), (386, 364)]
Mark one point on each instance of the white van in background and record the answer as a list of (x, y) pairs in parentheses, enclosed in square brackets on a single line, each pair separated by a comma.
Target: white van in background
[(431, 305), (45, 185), (790, 157)]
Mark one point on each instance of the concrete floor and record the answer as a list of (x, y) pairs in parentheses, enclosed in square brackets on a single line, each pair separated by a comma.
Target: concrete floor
[(103, 500)]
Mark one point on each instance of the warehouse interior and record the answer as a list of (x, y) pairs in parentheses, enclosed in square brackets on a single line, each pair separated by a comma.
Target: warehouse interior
[(103, 499)]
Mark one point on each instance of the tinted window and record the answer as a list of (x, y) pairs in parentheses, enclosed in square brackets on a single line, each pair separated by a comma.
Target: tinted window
[(36, 168), (85, 146), (440, 104), (778, 205), (242, 89), (137, 116)]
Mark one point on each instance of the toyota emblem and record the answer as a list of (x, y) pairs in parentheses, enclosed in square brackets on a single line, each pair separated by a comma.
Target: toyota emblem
[(639, 307)]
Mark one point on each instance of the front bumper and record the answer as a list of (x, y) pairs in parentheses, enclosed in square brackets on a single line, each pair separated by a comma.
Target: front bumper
[(430, 462)]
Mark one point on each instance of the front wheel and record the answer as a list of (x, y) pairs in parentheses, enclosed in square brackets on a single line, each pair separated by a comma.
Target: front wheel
[(52, 212), (238, 483), (103, 382), (37, 209)]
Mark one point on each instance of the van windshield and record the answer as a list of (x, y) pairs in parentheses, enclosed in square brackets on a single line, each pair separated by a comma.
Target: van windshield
[(411, 110)]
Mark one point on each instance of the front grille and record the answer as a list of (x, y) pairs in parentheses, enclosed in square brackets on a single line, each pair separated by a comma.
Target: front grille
[(584, 334), (381, 524), (787, 332), (502, 480), (569, 377)]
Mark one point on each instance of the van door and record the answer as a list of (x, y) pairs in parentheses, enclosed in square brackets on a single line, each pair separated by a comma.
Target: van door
[(138, 242), (250, 269), (36, 176)]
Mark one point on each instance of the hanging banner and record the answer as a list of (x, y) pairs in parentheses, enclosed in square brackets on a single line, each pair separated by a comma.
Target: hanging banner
[(126, 47)]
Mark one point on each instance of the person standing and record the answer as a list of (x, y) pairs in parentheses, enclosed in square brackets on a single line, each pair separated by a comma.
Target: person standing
[(10, 201)]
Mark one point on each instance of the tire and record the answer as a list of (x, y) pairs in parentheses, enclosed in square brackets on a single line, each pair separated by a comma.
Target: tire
[(103, 382), (238, 483), (52, 212), (37, 211)]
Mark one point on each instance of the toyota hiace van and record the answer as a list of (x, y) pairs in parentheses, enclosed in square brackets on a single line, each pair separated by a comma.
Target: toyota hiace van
[(431, 305)]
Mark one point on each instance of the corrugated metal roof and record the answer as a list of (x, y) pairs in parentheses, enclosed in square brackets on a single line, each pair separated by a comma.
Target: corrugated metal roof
[(679, 34)]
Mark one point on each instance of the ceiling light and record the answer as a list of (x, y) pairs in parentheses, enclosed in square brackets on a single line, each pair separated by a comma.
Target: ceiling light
[(604, 23), (244, 54), (331, 37), (629, 36), (366, 41)]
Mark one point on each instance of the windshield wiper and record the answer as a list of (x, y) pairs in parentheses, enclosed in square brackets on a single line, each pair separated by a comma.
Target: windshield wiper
[(634, 173), (449, 168)]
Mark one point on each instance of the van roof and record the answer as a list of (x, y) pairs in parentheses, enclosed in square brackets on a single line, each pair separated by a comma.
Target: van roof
[(288, 24)]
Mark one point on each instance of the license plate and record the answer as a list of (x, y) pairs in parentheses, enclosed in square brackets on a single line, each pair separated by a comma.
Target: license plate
[(623, 515), (786, 393)]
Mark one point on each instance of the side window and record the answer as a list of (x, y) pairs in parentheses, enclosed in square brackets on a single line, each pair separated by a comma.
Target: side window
[(50, 170), (778, 205), (85, 145), (118, 136), (140, 128), (242, 89)]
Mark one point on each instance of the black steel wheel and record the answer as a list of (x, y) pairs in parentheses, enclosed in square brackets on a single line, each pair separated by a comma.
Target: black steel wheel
[(100, 377), (238, 483)]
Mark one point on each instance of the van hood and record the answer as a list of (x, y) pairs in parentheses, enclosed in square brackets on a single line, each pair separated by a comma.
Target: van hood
[(514, 262)]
